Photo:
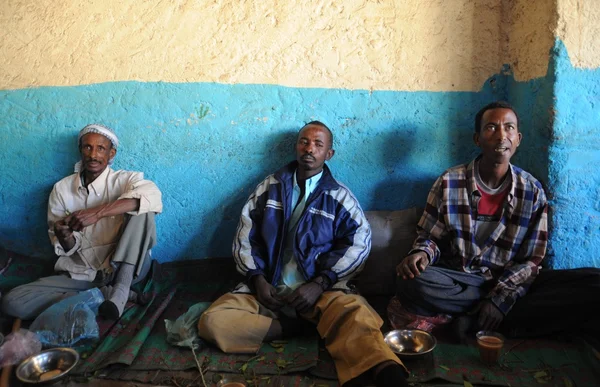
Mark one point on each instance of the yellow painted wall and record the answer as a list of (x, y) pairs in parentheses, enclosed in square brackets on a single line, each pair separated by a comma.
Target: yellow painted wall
[(579, 29), (529, 27), (434, 45)]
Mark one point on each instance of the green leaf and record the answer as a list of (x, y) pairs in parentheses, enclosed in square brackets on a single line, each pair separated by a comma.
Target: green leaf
[(568, 382), (281, 363), (279, 350), (542, 377), (244, 367), (466, 383), (444, 367)]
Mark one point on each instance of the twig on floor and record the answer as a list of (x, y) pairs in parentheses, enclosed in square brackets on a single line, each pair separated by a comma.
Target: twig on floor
[(199, 367), (155, 375), (162, 357), (513, 347), (194, 381), (249, 360)]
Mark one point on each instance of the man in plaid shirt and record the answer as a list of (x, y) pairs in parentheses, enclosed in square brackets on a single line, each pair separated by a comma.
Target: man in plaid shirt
[(480, 245)]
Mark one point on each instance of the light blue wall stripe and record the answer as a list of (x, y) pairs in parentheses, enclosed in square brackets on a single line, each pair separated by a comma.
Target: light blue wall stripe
[(390, 148)]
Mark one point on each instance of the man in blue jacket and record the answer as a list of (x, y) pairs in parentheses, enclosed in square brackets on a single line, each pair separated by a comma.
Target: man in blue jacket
[(301, 237)]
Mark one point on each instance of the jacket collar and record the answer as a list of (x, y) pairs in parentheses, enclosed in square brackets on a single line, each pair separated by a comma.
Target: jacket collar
[(286, 176)]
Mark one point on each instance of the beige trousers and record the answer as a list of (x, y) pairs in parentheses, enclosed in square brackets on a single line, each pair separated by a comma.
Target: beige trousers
[(237, 323)]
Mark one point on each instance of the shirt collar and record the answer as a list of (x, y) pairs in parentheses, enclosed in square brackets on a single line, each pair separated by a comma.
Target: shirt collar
[(310, 184), (472, 184), (98, 185)]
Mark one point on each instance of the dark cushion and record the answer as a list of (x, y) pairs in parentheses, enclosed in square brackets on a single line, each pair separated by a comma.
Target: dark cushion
[(393, 233)]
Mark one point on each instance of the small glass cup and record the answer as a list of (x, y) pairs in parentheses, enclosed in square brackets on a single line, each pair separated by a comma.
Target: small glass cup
[(232, 380), (490, 346)]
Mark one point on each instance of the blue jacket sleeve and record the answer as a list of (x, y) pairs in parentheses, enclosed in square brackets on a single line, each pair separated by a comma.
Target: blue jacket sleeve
[(352, 242), (248, 245)]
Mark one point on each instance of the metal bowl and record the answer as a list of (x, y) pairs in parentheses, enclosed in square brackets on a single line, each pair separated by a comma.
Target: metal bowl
[(47, 366), (410, 343)]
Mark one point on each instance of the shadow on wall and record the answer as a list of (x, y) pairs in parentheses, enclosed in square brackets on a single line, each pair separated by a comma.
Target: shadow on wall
[(404, 153), (25, 230), (278, 150), (415, 154)]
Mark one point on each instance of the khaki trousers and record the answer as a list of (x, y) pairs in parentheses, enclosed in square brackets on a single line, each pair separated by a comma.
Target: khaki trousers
[(237, 323)]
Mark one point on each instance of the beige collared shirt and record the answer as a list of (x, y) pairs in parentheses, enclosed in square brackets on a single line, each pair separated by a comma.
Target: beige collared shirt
[(95, 244)]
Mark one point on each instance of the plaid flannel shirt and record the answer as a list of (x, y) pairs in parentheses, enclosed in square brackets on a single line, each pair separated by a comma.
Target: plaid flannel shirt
[(511, 255)]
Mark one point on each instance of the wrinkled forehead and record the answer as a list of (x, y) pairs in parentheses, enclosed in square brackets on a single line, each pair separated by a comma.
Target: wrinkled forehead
[(315, 132)]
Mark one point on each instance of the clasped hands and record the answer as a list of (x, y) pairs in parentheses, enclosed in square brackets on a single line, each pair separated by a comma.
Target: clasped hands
[(77, 221), (301, 299), (489, 317)]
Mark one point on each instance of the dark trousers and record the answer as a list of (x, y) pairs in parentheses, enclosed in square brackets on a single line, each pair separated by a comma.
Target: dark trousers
[(558, 300)]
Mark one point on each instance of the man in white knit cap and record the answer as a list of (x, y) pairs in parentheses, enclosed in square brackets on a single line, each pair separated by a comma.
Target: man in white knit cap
[(101, 224)]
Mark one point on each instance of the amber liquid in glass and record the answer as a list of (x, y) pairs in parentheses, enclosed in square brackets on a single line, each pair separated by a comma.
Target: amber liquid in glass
[(489, 349)]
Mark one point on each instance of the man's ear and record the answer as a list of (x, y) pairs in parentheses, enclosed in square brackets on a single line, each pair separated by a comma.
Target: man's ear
[(476, 138), (113, 152), (330, 154)]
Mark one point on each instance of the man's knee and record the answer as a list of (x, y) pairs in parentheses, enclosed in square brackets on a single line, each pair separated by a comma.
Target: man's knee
[(143, 221), (342, 305), (208, 325), (12, 304), (219, 316), (407, 289)]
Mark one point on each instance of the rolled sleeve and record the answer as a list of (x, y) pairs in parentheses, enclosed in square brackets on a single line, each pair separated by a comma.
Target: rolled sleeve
[(59, 250), (146, 192)]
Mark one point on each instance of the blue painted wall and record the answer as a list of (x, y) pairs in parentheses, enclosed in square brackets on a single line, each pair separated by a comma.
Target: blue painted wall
[(208, 145), (574, 157)]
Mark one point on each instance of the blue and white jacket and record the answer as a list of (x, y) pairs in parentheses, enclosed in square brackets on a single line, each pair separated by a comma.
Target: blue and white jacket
[(333, 236)]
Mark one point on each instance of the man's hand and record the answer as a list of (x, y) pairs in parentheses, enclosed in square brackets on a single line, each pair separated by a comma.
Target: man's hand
[(266, 293), (83, 218), (413, 265), (64, 233), (489, 316), (304, 297), (62, 229)]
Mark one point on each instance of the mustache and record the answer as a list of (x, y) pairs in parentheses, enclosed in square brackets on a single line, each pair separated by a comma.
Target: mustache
[(307, 155), (92, 160)]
